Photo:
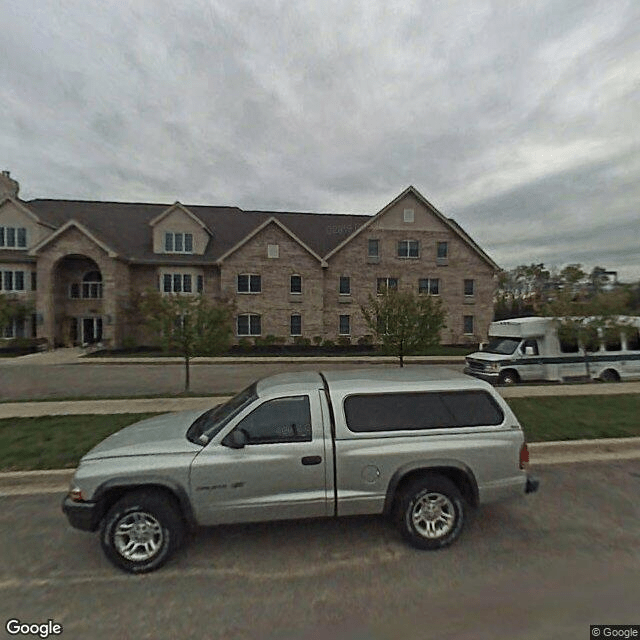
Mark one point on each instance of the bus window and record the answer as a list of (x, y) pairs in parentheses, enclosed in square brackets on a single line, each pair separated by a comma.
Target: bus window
[(633, 339)]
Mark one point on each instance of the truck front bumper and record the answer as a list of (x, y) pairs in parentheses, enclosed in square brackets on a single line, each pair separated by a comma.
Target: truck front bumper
[(487, 376), (85, 516), (532, 485)]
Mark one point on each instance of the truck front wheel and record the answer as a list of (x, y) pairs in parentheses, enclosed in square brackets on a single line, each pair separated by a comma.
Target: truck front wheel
[(141, 531), (431, 512), (509, 377)]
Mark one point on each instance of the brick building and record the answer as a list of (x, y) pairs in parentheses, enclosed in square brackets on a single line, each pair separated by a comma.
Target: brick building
[(290, 274)]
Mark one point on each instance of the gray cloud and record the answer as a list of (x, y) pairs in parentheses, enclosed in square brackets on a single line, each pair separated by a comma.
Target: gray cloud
[(517, 119)]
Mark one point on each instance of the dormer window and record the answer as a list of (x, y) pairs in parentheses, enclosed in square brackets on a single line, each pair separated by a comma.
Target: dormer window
[(178, 242), (13, 238)]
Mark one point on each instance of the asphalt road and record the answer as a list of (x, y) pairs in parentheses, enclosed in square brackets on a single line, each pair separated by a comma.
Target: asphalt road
[(544, 567), (26, 382)]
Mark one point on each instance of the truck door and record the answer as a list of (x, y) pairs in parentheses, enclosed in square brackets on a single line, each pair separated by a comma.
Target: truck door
[(530, 365), (278, 474)]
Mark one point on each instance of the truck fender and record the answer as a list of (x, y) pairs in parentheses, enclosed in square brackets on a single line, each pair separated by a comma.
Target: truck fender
[(145, 482), (443, 466)]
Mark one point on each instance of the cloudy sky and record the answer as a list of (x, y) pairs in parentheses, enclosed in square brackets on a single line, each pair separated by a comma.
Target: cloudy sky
[(521, 120)]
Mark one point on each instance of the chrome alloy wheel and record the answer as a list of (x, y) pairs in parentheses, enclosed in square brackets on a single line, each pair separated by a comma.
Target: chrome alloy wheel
[(138, 536), (433, 515)]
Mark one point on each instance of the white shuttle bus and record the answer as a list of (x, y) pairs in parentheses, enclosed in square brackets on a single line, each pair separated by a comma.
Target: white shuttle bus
[(527, 349)]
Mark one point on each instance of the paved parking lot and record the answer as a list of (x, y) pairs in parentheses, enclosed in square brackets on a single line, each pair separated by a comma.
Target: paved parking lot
[(544, 567)]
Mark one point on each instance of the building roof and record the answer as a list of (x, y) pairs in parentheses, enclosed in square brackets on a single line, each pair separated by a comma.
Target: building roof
[(107, 220), (124, 227)]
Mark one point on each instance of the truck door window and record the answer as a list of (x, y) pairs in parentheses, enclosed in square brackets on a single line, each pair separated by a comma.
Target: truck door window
[(279, 420), (530, 343)]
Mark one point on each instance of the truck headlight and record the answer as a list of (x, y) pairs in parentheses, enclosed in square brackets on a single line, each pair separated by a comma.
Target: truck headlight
[(75, 494)]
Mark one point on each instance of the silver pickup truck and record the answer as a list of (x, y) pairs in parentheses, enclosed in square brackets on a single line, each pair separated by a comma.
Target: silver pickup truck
[(421, 445)]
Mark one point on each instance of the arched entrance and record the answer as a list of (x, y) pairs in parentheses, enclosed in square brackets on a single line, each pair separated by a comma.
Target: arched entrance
[(78, 301)]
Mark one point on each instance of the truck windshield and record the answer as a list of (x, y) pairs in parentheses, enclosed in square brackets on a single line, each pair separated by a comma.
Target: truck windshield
[(503, 346), (213, 420)]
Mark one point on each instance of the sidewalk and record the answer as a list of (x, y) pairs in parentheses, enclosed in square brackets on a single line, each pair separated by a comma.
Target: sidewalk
[(15, 483)]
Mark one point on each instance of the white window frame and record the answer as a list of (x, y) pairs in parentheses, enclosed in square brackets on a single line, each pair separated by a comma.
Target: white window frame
[(4, 233), (12, 288), (248, 316), (348, 317), (409, 215), (273, 251), (183, 277), (473, 287), (291, 291), (183, 235), (473, 325), (445, 257), (250, 290), (406, 244), (348, 279), (386, 285), (428, 291), (373, 255), (295, 315)]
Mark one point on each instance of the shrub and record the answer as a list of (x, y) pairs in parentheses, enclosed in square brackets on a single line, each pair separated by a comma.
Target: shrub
[(317, 340), (365, 341), (344, 341)]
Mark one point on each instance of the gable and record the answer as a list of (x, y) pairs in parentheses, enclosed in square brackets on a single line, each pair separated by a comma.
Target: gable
[(14, 214), (423, 218), (179, 220), (72, 238)]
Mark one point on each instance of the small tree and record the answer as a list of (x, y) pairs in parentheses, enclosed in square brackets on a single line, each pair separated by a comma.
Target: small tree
[(584, 322), (403, 322), (193, 326), (12, 308)]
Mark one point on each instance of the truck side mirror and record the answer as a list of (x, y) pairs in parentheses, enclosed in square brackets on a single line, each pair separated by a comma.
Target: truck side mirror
[(528, 351), (237, 439)]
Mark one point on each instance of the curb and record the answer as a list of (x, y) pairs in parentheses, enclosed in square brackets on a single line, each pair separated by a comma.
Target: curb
[(542, 454)]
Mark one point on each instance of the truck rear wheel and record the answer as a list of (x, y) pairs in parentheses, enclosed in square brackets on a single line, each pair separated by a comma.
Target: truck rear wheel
[(431, 512), (141, 531)]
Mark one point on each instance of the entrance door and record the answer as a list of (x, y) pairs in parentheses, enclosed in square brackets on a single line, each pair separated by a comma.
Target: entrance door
[(91, 330)]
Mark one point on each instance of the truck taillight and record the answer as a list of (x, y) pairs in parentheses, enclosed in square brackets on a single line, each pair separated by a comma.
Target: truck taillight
[(524, 456)]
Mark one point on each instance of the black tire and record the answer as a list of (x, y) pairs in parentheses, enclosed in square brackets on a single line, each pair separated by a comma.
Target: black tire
[(443, 524), (509, 377), (609, 375), (159, 530)]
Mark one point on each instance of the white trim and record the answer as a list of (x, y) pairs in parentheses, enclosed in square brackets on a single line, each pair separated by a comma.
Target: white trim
[(297, 315), (67, 225), (408, 243), (258, 229), (340, 316), (178, 206), (249, 316)]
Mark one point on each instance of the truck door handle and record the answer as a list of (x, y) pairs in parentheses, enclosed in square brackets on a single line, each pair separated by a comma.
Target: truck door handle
[(308, 460)]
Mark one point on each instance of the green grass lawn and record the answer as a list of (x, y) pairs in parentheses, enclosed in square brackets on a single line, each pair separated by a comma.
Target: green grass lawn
[(574, 418), (56, 442)]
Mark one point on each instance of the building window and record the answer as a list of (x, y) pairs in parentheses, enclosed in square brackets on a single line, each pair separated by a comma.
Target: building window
[(408, 249), (177, 283), (34, 281), (430, 286), (469, 288), (345, 325), (468, 325), (200, 284), (91, 285), (12, 281), (249, 283), (249, 324), (178, 242), (442, 251), (273, 251), (13, 237), (296, 284), (296, 324), (408, 215), (374, 249), (384, 284), (345, 285)]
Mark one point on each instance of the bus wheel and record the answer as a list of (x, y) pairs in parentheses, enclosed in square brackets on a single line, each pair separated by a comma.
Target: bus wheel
[(609, 375), (509, 377)]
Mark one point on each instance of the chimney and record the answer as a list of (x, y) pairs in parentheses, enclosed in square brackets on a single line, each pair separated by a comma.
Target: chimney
[(8, 186)]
